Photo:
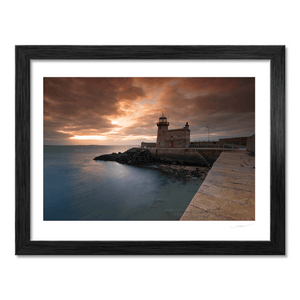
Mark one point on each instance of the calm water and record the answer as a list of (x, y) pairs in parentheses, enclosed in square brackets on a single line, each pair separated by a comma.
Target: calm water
[(78, 188)]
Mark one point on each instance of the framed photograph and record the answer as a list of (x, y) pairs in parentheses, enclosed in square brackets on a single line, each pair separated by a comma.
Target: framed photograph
[(150, 150)]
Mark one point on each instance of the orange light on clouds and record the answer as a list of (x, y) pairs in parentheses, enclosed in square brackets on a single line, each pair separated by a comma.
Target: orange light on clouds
[(123, 121), (133, 137), (88, 137)]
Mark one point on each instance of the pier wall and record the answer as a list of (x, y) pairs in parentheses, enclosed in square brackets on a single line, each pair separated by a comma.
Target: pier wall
[(187, 155), (148, 145), (211, 155), (237, 141), (242, 141), (251, 144)]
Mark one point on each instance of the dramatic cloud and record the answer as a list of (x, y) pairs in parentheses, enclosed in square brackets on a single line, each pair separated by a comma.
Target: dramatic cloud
[(125, 110)]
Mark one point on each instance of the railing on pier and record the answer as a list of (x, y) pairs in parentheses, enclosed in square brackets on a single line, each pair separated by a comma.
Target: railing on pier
[(204, 145), (214, 146), (232, 146)]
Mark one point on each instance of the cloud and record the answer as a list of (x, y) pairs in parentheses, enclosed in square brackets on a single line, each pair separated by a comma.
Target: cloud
[(127, 109)]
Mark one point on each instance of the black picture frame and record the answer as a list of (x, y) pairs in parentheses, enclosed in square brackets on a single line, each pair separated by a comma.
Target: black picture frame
[(23, 244)]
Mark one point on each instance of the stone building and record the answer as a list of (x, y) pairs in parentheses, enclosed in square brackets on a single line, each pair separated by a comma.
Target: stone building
[(174, 138)]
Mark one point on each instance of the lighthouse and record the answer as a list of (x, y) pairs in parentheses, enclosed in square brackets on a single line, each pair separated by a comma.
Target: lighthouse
[(174, 138), (162, 125)]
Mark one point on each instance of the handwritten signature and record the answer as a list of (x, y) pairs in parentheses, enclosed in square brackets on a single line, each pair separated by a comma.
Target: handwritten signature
[(236, 226)]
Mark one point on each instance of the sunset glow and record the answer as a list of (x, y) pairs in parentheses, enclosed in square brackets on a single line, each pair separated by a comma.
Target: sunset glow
[(116, 111), (88, 137)]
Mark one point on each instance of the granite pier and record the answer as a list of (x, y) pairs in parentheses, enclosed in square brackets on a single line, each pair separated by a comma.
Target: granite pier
[(228, 192)]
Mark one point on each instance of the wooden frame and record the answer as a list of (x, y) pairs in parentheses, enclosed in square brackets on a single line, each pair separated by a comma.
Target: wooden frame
[(276, 245)]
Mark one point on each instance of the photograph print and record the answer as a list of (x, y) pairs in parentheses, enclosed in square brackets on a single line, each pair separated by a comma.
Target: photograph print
[(149, 148)]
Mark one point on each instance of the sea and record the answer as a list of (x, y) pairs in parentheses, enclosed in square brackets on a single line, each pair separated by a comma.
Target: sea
[(76, 187)]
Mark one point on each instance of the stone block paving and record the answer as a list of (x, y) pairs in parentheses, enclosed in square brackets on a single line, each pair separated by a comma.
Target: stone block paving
[(228, 191)]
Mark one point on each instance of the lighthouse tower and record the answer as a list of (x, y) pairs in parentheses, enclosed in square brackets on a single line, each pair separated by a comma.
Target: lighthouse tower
[(162, 125)]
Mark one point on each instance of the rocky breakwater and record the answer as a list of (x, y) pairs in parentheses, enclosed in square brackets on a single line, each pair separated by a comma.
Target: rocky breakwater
[(184, 171), (133, 156), (143, 158)]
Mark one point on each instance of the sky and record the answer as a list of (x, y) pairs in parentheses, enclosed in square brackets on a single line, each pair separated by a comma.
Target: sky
[(124, 111)]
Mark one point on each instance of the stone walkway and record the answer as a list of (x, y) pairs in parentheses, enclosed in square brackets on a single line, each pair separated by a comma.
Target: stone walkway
[(228, 192)]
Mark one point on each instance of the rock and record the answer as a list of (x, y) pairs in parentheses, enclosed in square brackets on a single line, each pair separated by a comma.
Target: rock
[(143, 157), (133, 156)]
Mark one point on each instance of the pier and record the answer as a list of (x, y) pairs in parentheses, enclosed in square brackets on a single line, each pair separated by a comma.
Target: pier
[(203, 156), (228, 191)]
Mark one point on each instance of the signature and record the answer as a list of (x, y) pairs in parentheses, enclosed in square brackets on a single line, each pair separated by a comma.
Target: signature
[(236, 226)]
